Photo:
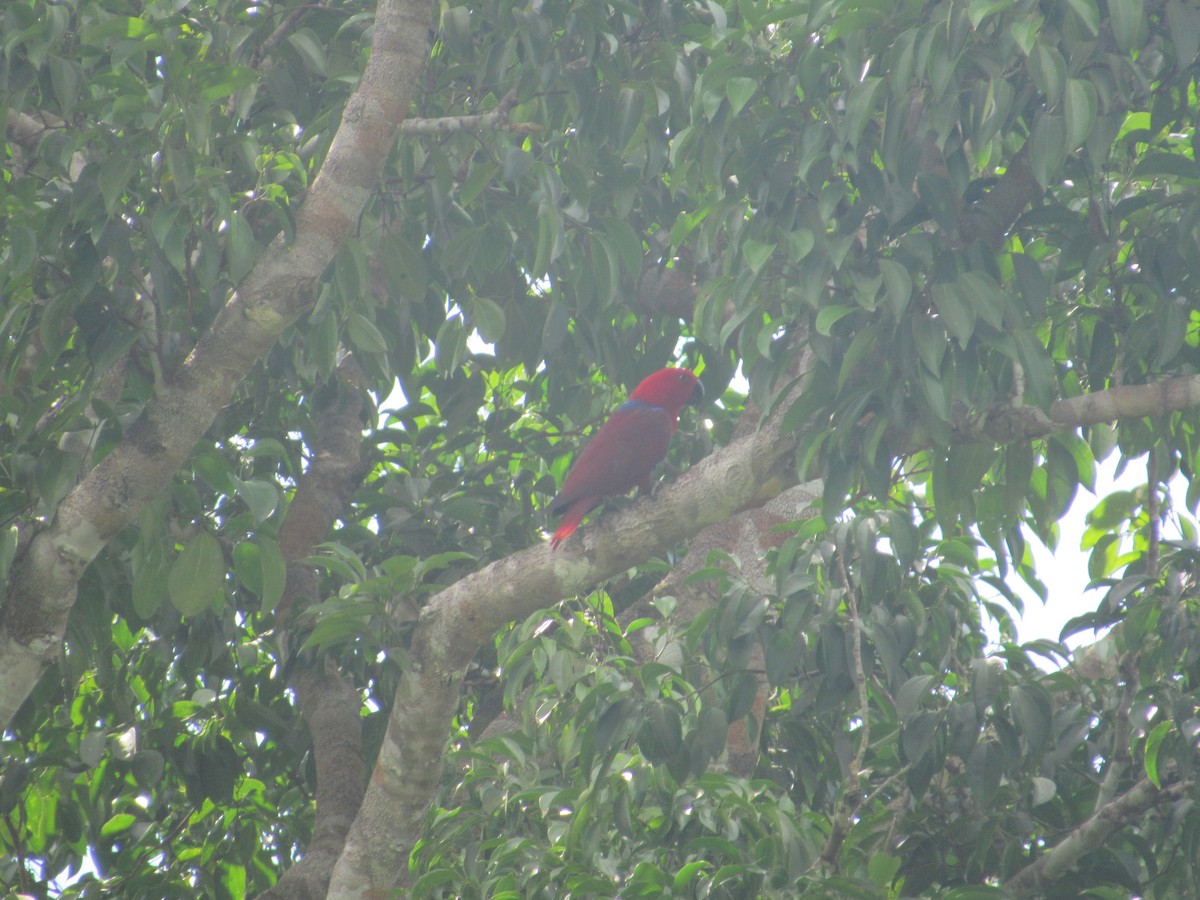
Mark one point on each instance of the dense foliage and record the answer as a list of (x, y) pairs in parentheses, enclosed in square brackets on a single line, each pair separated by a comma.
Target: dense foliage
[(929, 217)]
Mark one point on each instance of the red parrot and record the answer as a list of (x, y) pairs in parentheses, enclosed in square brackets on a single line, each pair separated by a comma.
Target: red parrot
[(625, 451)]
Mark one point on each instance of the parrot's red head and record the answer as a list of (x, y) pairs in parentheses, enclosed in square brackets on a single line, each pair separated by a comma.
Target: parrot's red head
[(671, 389)]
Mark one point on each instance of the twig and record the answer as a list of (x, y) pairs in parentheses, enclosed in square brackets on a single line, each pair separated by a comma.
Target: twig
[(1152, 512), (850, 799), (493, 120), (860, 677)]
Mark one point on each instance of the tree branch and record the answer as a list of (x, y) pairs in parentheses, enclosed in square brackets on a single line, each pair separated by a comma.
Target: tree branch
[(1091, 835), (327, 700), (1007, 424), (458, 620), (843, 818), (493, 120), (990, 218)]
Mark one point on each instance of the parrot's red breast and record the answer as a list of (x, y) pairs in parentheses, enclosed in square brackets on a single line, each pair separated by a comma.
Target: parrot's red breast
[(626, 449)]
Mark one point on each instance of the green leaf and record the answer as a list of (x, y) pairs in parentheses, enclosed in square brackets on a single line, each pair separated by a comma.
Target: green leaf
[(364, 335), (986, 680), (800, 243), (860, 106), (882, 868), (1048, 70), (1183, 21), (116, 27), (1048, 148), (197, 577), (756, 254), (954, 311), (862, 346), (22, 248), (93, 748), (115, 174), (931, 342), (241, 250), (1128, 23), (830, 316), (625, 239), (1031, 711), (606, 269), (739, 91), (689, 873), (742, 695), (910, 695), (117, 824), (1088, 14), (662, 735), (150, 585), (339, 622), (899, 286), (616, 723), (985, 299), (247, 565), (1079, 111), (310, 49), (916, 737), (489, 318), (550, 240), (629, 116), (261, 496), (1032, 282), (985, 767), (711, 730), (1154, 742)]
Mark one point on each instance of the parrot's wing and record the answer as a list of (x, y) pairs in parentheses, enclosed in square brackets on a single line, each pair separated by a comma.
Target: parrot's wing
[(621, 456)]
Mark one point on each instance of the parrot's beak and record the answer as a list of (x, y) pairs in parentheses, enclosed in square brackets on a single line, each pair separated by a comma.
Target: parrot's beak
[(697, 395)]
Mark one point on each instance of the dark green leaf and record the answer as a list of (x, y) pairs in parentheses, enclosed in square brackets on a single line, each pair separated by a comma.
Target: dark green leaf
[(196, 580)]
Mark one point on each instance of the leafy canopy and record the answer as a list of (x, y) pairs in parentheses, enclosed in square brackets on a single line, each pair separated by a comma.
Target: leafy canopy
[(921, 213)]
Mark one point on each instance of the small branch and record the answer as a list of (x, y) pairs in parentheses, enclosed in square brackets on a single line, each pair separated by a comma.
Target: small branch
[(27, 131), (1118, 757), (1154, 526), (289, 24), (493, 120), (850, 799), (1006, 424)]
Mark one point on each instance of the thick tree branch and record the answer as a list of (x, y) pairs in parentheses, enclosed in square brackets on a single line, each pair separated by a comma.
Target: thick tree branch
[(327, 699), (278, 290), (26, 131), (992, 216), (465, 615), (668, 291)]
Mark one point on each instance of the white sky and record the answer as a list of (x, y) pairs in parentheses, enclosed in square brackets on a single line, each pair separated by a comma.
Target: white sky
[(1064, 571)]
